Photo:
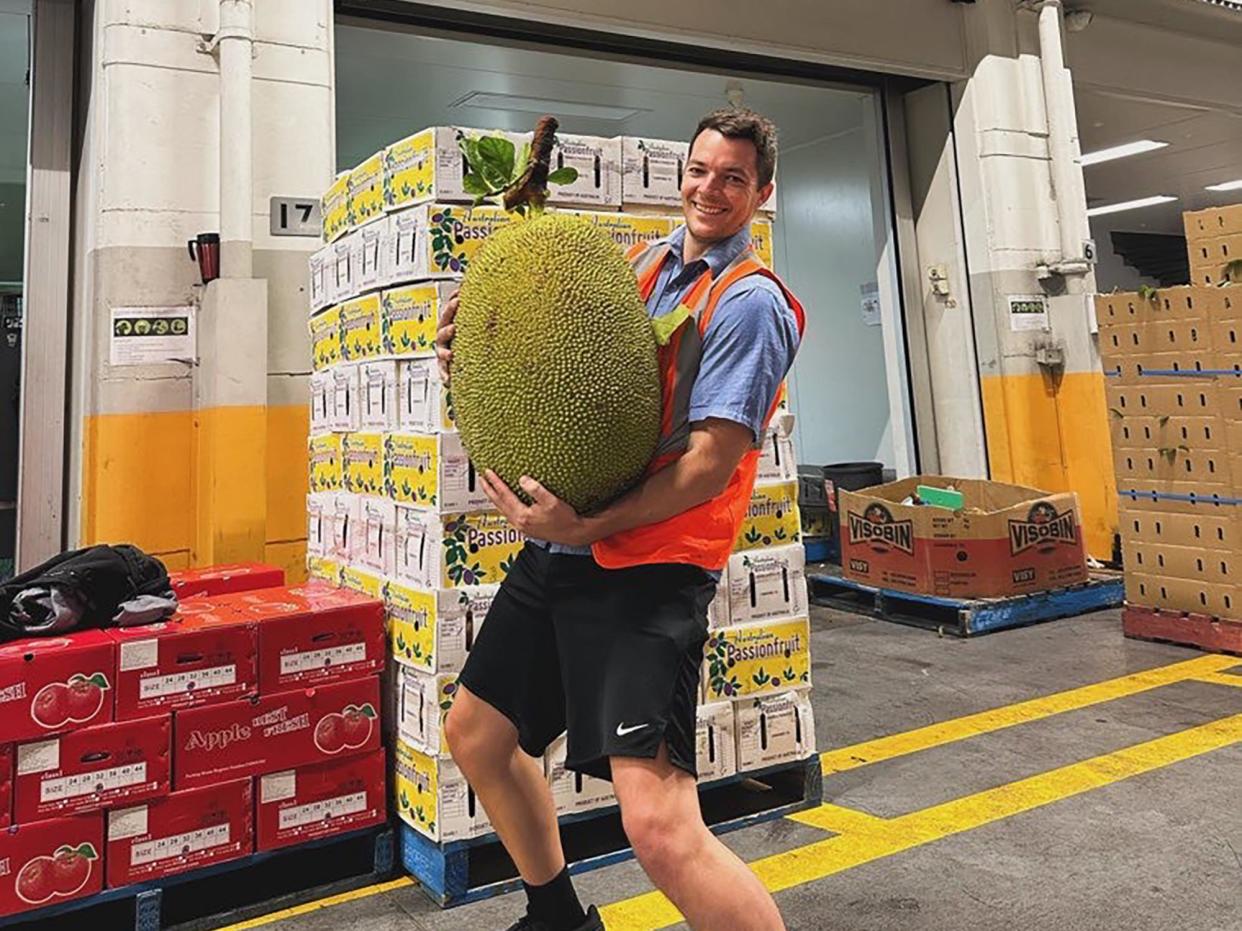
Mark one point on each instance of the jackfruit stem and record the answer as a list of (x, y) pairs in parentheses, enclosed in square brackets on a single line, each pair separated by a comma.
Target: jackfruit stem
[(531, 190)]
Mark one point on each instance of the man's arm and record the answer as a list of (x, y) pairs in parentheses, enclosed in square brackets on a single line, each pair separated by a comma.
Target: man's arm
[(700, 474)]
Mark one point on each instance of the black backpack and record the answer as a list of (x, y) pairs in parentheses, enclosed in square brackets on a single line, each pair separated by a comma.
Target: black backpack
[(101, 577)]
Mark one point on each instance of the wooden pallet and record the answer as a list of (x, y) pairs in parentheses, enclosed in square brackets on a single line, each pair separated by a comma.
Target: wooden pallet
[(228, 892), (965, 617), (479, 868), (1213, 634)]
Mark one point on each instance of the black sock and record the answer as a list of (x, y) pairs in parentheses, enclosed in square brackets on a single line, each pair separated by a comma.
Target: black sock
[(555, 903)]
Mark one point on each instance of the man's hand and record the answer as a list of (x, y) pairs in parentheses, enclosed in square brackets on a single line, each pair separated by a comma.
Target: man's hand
[(548, 518), (444, 336)]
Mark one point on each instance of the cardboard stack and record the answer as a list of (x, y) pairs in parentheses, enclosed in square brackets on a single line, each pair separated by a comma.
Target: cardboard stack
[(1175, 415), (1214, 243), (245, 722), (395, 508), (756, 673)]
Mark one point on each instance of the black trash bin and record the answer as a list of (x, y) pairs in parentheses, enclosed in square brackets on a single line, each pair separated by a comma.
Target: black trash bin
[(817, 497)]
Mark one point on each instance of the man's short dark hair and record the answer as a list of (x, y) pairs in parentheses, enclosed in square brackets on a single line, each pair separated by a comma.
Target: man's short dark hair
[(740, 123)]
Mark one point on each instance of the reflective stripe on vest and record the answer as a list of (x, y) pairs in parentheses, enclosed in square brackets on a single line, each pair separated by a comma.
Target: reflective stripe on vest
[(703, 535)]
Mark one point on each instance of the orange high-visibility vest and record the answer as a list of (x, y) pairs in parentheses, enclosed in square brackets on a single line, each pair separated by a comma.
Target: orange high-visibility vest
[(703, 535)]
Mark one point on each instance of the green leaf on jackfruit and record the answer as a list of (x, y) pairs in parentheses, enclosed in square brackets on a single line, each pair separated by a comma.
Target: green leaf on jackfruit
[(498, 154), (473, 184)]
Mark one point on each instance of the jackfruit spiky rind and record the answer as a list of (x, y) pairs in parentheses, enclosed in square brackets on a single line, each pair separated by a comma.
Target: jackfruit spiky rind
[(555, 371)]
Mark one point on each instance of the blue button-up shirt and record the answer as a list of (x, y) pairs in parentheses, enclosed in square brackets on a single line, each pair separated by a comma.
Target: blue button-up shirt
[(748, 347)]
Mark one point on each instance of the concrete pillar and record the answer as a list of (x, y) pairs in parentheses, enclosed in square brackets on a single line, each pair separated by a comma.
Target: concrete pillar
[(1042, 389), (203, 459)]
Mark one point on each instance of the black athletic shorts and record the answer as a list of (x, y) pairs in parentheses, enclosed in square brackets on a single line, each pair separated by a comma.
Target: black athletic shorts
[(610, 656)]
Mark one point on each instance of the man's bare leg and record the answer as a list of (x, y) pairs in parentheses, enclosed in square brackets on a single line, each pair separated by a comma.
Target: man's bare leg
[(509, 783), (713, 889)]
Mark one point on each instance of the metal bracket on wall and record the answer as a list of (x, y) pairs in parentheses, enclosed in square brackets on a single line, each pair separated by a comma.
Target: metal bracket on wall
[(208, 45), (1050, 357)]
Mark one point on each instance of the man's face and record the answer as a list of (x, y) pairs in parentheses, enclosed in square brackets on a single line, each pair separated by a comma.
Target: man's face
[(720, 187)]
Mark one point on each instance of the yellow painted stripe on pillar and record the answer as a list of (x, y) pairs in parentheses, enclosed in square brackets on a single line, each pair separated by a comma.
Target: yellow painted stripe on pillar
[(984, 722), (843, 852), (174, 562), (230, 455), (137, 482), (144, 482), (1053, 435), (288, 426), (290, 556)]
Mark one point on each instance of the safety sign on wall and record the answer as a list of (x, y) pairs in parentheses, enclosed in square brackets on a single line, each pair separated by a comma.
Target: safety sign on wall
[(151, 335), (1027, 312)]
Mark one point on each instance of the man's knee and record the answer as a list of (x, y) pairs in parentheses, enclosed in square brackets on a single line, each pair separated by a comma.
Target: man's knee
[(663, 839), (477, 734)]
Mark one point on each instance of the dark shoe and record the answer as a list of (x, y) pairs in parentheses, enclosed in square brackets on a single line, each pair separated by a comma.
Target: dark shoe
[(593, 923)]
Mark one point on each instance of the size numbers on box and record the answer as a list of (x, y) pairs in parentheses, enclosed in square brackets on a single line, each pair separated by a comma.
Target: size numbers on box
[(102, 780), (179, 683), (308, 660), (179, 845), (325, 810)]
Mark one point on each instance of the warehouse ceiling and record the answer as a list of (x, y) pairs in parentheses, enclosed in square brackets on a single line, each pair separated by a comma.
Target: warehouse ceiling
[(1205, 147), (1205, 143), (391, 83), (1218, 19)]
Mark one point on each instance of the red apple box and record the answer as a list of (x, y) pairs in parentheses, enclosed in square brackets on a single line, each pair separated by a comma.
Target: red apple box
[(311, 802), (6, 786), (274, 732), (48, 862), (54, 684), (96, 767), (220, 580), (182, 831), (203, 654), (311, 634)]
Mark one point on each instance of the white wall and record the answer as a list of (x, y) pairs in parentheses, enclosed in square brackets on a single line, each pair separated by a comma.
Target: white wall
[(826, 253)]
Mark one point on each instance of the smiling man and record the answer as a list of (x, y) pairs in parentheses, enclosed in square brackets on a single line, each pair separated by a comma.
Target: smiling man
[(598, 630)]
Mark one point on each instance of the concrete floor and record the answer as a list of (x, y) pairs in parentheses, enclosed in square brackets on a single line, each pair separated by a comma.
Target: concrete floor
[(1158, 850)]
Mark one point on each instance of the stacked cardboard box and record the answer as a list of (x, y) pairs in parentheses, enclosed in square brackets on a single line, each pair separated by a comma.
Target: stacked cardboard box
[(132, 754), (1214, 243), (1175, 415), (395, 507), (757, 667)]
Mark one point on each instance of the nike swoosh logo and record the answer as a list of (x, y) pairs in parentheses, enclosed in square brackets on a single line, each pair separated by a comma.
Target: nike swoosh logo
[(622, 730)]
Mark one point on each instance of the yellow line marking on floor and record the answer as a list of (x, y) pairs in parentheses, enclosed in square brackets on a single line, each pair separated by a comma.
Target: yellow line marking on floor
[(1221, 678), (839, 820), (315, 906), (884, 838), (843, 820), (944, 732)]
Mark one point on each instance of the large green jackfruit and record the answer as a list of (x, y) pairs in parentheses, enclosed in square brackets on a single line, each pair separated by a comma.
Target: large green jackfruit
[(555, 372)]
